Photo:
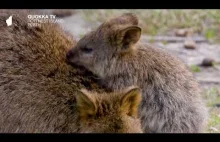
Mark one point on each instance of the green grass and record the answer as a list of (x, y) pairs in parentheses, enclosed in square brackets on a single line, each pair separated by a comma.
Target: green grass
[(164, 42), (153, 22), (81, 35), (214, 122), (210, 34), (212, 96), (195, 68)]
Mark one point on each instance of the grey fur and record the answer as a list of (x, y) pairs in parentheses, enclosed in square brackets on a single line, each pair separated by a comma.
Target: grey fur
[(171, 97)]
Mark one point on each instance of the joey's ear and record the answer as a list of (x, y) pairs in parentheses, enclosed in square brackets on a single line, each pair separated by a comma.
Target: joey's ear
[(131, 17), (124, 19), (85, 104), (128, 36), (130, 101)]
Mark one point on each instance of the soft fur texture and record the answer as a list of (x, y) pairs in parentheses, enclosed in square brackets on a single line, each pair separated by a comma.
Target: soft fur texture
[(38, 89), (171, 97)]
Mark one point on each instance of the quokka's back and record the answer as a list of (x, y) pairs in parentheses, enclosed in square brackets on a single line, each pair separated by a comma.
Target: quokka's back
[(37, 88)]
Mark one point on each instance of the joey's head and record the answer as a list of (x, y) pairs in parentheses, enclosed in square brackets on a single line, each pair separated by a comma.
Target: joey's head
[(115, 112), (99, 50)]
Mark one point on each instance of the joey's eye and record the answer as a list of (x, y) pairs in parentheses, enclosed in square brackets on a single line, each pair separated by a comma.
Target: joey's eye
[(86, 50)]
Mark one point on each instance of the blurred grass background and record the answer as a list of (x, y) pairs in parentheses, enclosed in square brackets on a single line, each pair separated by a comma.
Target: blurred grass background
[(161, 21)]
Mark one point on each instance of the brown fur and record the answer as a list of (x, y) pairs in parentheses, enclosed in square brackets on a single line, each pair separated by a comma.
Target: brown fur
[(63, 12), (38, 89), (171, 97), (114, 112)]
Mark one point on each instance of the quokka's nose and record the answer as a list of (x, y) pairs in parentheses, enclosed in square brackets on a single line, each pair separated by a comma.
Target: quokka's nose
[(69, 55)]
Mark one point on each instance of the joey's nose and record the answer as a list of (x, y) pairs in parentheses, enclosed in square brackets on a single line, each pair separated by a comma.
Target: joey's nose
[(69, 55)]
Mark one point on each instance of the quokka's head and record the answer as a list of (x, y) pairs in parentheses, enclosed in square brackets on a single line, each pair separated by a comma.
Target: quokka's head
[(111, 41), (109, 113)]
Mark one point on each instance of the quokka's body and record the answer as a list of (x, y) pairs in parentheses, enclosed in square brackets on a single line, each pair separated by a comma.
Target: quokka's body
[(39, 92), (171, 98)]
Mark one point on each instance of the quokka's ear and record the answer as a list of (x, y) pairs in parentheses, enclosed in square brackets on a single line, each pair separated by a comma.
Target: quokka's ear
[(130, 101), (131, 17), (128, 36), (125, 19), (85, 104)]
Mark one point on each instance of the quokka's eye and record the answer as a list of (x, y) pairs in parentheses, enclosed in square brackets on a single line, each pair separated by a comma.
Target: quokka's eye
[(86, 50)]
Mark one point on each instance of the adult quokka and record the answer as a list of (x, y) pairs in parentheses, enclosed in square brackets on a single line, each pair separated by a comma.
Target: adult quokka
[(39, 91)]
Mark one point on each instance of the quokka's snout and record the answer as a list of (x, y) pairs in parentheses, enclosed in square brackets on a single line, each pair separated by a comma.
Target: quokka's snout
[(69, 56), (72, 56)]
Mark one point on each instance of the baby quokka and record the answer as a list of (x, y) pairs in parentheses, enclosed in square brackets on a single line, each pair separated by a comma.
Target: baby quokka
[(171, 98)]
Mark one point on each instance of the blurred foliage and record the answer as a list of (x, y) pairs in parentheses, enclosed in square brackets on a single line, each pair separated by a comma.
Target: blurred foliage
[(214, 121), (195, 68), (212, 96)]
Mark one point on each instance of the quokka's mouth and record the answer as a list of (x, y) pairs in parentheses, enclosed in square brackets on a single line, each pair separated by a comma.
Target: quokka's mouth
[(75, 65), (83, 71)]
